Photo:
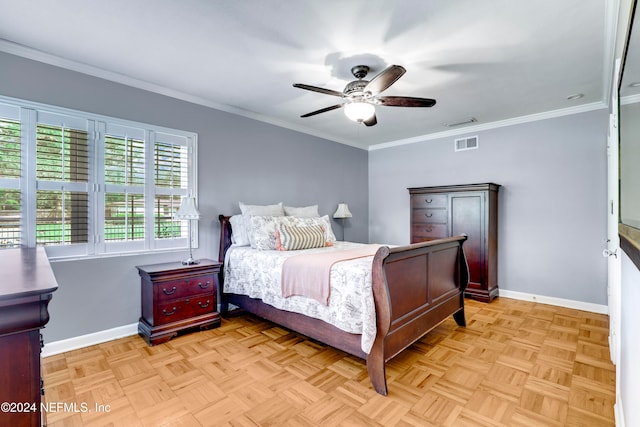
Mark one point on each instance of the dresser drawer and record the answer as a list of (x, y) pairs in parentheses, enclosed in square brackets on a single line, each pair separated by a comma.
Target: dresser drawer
[(429, 201), (176, 289), (185, 308), (428, 231), (429, 216)]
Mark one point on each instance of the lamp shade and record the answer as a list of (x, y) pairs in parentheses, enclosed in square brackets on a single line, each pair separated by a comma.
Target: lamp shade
[(342, 211), (187, 209), (359, 111)]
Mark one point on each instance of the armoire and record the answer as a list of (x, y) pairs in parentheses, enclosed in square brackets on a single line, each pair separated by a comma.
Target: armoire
[(471, 209)]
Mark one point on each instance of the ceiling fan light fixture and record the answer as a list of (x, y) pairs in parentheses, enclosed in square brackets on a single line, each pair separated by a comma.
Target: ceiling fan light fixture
[(359, 111)]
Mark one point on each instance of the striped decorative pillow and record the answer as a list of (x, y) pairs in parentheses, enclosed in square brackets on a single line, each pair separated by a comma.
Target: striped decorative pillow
[(293, 238)]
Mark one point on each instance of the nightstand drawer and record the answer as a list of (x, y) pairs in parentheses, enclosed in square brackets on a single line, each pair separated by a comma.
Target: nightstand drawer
[(174, 311), (429, 216), (176, 289)]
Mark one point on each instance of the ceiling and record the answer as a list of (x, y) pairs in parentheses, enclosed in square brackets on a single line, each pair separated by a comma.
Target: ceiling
[(492, 60)]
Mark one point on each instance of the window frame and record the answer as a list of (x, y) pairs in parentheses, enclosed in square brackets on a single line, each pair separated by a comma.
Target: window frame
[(29, 114)]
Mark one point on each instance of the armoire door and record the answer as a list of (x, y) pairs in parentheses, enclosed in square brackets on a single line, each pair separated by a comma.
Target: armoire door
[(468, 217)]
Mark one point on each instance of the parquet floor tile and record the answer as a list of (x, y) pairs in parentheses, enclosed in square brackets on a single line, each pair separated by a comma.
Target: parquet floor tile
[(517, 363)]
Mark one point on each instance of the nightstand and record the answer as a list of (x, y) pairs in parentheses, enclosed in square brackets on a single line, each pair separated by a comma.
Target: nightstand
[(177, 297)]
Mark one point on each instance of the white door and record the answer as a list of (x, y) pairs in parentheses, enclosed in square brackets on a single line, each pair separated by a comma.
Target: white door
[(612, 252)]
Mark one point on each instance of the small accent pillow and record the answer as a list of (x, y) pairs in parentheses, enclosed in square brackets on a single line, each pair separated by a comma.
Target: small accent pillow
[(239, 235), (303, 212), (263, 231), (323, 221), (293, 238), (262, 210)]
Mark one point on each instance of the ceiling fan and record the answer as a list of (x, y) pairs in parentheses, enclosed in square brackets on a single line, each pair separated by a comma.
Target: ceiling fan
[(360, 97)]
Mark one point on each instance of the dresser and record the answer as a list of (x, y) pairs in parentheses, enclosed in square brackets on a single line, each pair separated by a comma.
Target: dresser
[(177, 297), (472, 209), (26, 286)]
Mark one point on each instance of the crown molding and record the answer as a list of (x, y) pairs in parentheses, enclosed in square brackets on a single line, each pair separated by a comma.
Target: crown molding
[(40, 56), (494, 125), (632, 99)]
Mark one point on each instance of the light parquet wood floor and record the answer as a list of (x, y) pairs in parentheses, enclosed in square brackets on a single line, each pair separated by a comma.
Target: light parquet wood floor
[(515, 364)]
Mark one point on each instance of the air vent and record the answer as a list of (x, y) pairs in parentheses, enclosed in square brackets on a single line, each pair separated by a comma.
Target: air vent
[(468, 143)]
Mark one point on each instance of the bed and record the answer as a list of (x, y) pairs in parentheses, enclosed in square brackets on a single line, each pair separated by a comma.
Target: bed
[(413, 289)]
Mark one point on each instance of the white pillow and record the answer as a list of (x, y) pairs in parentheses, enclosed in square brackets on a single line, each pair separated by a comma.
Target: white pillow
[(302, 212), (239, 234), (262, 210), (263, 230), (324, 221)]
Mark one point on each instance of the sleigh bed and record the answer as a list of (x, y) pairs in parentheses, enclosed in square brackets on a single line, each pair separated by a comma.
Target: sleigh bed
[(414, 288)]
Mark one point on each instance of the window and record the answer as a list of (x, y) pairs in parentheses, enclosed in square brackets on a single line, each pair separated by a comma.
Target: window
[(82, 184)]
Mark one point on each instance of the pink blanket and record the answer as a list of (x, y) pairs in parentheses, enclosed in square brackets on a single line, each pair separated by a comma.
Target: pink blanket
[(309, 274)]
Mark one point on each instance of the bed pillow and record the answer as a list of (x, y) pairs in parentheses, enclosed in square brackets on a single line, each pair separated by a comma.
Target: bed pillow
[(302, 212), (239, 234), (262, 210), (293, 238), (262, 233), (323, 221)]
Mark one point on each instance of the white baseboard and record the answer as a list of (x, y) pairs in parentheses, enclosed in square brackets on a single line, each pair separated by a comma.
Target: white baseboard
[(561, 302), (82, 341), (619, 413)]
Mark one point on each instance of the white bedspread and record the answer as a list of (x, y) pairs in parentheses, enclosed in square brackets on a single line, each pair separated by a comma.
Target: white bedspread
[(258, 275)]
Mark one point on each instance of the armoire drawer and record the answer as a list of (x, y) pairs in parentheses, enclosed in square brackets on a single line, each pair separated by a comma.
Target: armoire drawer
[(429, 231), (429, 216), (429, 201)]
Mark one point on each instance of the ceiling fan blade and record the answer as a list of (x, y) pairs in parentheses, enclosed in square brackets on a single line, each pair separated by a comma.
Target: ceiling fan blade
[(323, 110), (384, 79), (372, 121), (405, 101), (318, 89)]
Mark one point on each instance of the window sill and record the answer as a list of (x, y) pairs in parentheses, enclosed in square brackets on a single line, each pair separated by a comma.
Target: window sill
[(630, 242), (117, 255)]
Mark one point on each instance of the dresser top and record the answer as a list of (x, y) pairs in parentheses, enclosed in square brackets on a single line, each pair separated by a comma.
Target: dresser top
[(25, 272)]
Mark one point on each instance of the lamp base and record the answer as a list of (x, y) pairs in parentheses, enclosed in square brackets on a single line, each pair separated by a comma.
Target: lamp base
[(190, 261)]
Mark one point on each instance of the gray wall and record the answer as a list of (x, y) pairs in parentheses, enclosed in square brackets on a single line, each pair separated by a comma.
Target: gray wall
[(239, 160), (552, 206)]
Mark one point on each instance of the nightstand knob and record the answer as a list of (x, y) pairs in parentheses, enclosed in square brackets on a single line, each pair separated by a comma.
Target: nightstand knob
[(205, 304), (169, 313), (205, 286), (171, 292)]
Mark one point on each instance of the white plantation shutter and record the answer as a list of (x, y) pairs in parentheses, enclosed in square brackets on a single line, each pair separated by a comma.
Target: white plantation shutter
[(172, 182), (62, 215), (124, 179), (10, 173), (83, 184)]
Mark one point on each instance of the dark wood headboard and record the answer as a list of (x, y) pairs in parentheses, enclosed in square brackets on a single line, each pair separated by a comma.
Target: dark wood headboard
[(225, 236)]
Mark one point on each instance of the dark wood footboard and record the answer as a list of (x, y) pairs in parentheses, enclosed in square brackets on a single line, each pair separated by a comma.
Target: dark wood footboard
[(415, 288)]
